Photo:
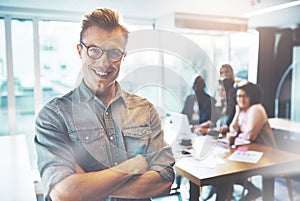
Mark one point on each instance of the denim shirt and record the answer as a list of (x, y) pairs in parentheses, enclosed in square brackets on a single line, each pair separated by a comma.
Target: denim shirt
[(78, 129)]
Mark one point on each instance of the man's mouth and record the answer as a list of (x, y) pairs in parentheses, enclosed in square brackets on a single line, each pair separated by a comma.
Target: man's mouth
[(100, 73)]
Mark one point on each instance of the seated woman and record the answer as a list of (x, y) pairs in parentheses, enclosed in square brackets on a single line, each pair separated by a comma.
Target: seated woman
[(251, 123), (223, 110), (250, 120)]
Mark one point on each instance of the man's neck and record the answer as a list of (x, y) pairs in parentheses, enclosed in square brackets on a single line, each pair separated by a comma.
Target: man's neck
[(106, 95)]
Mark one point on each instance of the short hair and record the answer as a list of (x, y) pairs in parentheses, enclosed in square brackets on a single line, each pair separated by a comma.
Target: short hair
[(253, 91), (199, 81), (103, 18)]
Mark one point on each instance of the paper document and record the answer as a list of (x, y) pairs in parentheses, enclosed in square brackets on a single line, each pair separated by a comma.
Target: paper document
[(246, 156)]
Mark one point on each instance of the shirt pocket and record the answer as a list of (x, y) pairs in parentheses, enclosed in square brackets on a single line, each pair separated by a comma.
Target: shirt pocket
[(136, 140), (86, 136), (93, 141)]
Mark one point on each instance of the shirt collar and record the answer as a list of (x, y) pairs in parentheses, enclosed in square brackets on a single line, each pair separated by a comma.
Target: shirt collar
[(84, 94)]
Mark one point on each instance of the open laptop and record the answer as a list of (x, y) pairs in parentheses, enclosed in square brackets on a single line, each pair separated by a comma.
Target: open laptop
[(203, 146), (180, 123)]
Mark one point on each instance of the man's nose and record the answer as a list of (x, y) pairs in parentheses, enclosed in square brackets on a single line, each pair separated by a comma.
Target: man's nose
[(104, 61)]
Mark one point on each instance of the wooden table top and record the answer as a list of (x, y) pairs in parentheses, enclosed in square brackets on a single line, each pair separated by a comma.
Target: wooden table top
[(273, 162)]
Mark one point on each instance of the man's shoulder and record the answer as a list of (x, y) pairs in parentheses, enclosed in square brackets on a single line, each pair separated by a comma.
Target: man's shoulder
[(134, 100), (61, 100)]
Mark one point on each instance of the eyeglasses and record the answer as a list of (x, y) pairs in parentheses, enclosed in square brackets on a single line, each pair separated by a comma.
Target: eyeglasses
[(242, 96), (95, 52)]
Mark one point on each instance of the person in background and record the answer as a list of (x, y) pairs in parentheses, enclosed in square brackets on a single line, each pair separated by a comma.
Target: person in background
[(251, 123), (219, 123), (226, 71), (198, 106), (99, 142), (250, 120), (222, 110)]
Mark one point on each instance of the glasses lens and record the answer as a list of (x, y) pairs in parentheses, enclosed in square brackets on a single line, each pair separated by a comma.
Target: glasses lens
[(114, 55), (242, 96), (95, 52)]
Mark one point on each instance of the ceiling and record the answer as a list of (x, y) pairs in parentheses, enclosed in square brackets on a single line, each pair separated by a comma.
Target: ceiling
[(156, 9)]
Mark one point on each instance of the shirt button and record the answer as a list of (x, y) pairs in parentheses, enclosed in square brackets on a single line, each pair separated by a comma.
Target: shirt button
[(116, 163), (111, 138), (87, 138), (106, 113)]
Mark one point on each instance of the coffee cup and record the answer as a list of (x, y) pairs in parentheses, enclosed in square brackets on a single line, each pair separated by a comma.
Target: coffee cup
[(231, 138)]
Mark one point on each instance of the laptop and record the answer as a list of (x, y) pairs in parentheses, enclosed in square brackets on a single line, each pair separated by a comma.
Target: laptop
[(180, 124), (203, 145)]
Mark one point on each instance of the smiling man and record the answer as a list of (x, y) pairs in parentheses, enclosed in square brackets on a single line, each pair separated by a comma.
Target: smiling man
[(99, 142)]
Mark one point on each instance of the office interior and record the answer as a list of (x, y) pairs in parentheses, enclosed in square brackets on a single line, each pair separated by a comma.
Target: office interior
[(259, 38)]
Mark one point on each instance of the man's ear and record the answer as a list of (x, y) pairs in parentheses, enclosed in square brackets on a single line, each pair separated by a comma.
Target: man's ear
[(79, 47)]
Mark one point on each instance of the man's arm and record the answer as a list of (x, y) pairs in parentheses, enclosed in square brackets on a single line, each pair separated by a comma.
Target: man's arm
[(147, 185), (98, 185)]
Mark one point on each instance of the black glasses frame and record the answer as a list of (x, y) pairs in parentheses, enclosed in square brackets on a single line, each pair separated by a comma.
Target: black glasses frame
[(108, 52)]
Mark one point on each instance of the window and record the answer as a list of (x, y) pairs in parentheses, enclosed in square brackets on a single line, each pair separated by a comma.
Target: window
[(60, 63), (162, 71), (243, 53), (59, 68), (238, 49), (3, 82), (23, 70), (165, 76)]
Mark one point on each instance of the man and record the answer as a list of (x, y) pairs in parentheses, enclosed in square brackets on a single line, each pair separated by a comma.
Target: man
[(198, 106), (98, 142)]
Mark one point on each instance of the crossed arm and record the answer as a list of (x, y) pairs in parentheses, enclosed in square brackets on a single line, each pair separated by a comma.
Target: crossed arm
[(117, 181)]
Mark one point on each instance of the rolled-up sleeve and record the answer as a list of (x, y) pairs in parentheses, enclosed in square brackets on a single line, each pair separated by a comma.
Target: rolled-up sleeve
[(161, 157), (55, 156)]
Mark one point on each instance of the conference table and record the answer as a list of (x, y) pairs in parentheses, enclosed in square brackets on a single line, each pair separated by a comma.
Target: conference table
[(271, 164), (16, 183)]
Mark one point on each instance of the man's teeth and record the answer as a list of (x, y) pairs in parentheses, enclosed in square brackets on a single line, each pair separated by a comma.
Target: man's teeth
[(101, 73)]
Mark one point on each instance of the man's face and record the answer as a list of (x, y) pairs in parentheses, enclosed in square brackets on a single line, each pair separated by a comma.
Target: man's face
[(198, 84), (100, 74)]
